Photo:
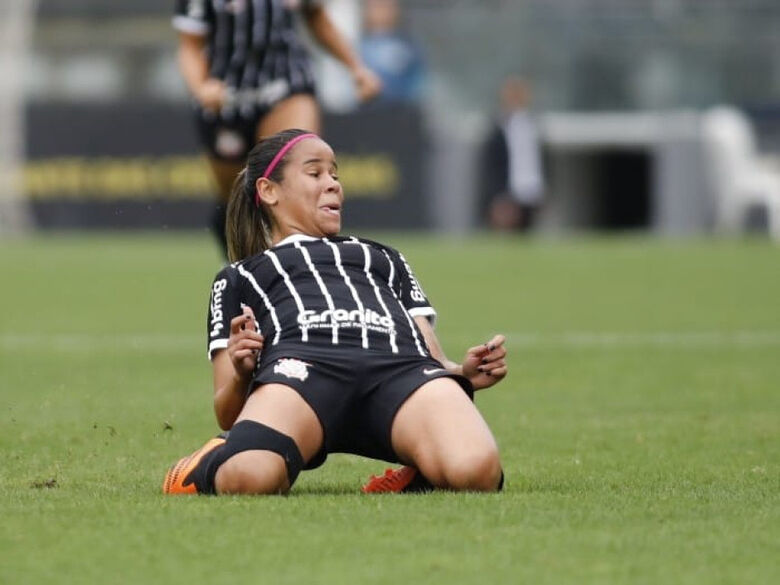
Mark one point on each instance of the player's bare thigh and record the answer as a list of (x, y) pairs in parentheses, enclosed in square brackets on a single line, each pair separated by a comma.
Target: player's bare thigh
[(297, 111), (281, 408), (441, 432)]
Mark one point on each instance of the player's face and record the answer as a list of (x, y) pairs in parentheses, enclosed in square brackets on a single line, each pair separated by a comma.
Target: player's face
[(310, 198)]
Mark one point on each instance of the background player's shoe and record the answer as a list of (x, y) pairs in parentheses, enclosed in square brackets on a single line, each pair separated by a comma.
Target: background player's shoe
[(176, 480), (397, 481)]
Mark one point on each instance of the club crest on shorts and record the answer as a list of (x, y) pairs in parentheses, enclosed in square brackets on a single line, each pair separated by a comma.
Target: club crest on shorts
[(229, 143), (292, 368)]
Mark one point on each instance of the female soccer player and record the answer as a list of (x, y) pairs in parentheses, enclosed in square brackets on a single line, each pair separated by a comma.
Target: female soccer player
[(250, 76), (324, 344)]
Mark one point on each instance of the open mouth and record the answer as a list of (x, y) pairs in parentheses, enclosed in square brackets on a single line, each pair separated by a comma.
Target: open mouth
[(332, 209)]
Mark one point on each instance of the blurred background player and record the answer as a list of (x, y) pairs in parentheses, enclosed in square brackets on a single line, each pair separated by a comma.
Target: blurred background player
[(250, 76), (512, 162), (391, 51)]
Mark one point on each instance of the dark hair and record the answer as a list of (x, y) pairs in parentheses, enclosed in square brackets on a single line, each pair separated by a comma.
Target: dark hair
[(248, 225)]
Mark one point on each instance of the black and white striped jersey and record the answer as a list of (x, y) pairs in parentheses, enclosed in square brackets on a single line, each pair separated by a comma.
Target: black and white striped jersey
[(252, 45), (308, 293)]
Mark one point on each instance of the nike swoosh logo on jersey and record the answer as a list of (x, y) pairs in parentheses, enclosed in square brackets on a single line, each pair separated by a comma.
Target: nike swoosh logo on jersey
[(430, 371)]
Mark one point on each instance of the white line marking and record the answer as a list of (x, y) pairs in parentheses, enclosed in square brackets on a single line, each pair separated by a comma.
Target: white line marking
[(163, 342), (678, 339), (101, 342)]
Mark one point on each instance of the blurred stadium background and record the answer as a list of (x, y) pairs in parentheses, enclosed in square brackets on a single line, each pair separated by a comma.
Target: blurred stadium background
[(640, 421), (659, 115)]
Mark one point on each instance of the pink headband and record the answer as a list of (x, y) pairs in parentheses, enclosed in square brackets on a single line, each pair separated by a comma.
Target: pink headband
[(275, 161)]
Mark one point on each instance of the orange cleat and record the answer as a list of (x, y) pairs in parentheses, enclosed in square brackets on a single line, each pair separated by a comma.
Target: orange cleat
[(176, 478), (393, 481)]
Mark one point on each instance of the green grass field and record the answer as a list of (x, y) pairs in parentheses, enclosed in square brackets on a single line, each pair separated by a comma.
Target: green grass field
[(639, 425)]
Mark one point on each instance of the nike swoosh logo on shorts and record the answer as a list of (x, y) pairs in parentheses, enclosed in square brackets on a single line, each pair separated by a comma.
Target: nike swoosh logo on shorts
[(430, 371)]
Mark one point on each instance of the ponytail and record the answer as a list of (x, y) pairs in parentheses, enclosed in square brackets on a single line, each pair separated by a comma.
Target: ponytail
[(248, 224), (247, 227)]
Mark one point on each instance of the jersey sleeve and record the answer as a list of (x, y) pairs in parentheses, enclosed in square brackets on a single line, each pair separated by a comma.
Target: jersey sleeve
[(408, 288), (224, 305), (193, 16)]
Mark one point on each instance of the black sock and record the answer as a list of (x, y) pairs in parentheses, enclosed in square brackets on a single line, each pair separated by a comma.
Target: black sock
[(218, 218), (203, 475), (420, 485)]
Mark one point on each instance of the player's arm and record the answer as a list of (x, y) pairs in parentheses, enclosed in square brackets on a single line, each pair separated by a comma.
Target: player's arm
[(209, 91), (484, 365), (322, 28), (233, 368)]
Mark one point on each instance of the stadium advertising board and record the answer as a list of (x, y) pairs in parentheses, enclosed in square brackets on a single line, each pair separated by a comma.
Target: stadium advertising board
[(137, 165)]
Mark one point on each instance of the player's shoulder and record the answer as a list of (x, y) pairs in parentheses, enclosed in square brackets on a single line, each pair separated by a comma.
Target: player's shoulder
[(228, 273), (373, 244)]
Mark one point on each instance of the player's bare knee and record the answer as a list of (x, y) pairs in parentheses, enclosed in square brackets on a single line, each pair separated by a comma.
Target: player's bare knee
[(474, 470), (253, 475)]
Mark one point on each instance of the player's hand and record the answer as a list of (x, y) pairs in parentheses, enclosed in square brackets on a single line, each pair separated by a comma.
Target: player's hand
[(211, 94), (367, 83), (245, 343), (485, 365)]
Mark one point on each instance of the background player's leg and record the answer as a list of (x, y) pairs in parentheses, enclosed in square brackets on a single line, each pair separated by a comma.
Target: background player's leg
[(297, 111), (440, 431), (224, 173), (265, 472)]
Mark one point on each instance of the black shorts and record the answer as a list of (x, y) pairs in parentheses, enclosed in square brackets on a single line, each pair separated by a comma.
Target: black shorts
[(355, 394), (229, 136)]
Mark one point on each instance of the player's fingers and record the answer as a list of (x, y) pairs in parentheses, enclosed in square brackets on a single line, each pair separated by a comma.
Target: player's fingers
[(238, 323), (497, 354), (368, 84), (236, 336), (492, 350), (248, 344), (240, 354), (478, 351), (244, 352), (498, 372), (491, 367), (250, 315), (497, 341), (249, 334), (244, 342)]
